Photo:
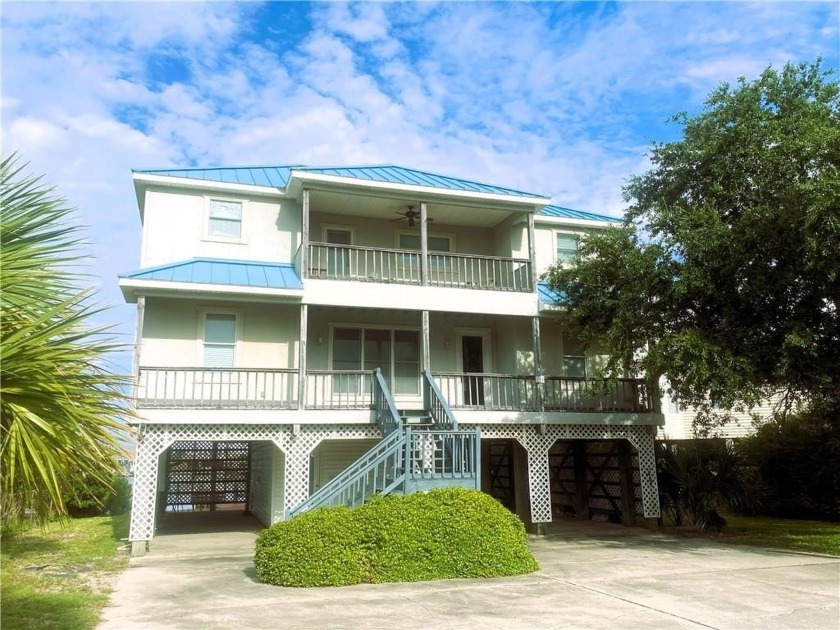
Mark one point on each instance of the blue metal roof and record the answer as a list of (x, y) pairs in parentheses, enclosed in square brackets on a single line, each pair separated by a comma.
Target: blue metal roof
[(244, 273), (548, 295), (272, 176), (568, 213), (278, 177), (389, 173)]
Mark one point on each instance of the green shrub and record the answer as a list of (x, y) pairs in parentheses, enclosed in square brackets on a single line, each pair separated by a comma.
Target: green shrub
[(95, 498), (448, 533), (798, 461), (698, 478)]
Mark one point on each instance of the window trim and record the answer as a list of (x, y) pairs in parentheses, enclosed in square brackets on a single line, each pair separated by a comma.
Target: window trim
[(338, 228), (207, 236), (203, 312), (575, 356), (391, 328), (555, 233), (402, 232)]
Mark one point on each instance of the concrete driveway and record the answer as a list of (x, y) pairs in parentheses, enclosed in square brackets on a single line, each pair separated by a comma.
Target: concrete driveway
[(594, 575)]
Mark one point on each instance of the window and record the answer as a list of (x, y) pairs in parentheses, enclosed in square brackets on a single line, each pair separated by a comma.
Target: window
[(574, 357), (219, 340), (567, 246), (225, 219), (574, 366), (436, 243), (395, 352)]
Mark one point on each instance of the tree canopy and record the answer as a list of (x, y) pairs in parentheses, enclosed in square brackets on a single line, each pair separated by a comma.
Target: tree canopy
[(61, 410), (724, 278)]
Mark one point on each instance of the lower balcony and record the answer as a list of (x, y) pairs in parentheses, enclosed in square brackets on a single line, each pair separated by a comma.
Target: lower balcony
[(224, 388)]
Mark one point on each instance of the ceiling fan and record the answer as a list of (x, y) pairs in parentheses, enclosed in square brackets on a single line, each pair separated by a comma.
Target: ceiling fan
[(411, 214)]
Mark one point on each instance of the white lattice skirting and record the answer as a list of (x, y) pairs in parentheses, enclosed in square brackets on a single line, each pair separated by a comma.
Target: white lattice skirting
[(537, 443), (297, 445)]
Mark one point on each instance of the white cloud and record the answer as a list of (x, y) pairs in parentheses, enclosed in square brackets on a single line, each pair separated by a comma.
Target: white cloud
[(558, 98)]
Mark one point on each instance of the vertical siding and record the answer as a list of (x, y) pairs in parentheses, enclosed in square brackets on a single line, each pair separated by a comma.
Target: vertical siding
[(278, 494), (261, 481), (333, 456), (267, 490)]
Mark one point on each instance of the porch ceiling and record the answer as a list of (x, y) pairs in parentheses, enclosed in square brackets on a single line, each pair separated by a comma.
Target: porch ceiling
[(386, 208)]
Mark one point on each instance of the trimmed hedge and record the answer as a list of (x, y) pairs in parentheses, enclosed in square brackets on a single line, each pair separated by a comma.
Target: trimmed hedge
[(440, 534)]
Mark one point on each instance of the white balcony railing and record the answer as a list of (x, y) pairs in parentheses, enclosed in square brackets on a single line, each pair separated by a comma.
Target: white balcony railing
[(370, 264), (224, 388), (217, 388)]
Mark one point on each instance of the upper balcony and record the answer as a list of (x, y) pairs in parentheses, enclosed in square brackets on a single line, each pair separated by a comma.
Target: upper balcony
[(396, 266)]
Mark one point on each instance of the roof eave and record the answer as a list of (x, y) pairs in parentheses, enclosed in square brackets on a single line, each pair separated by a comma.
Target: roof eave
[(298, 179), (132, 288), (570, 222)]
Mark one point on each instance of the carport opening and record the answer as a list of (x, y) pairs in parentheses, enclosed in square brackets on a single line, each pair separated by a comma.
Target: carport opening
[(595, 480), (205, 486)]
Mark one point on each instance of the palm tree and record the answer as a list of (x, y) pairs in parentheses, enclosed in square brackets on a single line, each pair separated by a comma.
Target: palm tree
[(61, 410)]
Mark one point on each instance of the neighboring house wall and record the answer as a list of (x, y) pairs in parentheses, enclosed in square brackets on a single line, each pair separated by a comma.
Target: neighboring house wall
[(175, 227), (679, 421)]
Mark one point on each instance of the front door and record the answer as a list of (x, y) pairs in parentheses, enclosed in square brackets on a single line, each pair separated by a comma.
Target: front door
[(472, 356)]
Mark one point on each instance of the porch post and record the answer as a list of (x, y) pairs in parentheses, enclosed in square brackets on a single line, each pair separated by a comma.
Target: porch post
[(643, 439), (151, 442), (537, 445), (427, 345), (625, 475), (304, 237), (424, 245), (304, 314), (532, 251), (138, 341), (539, 377)]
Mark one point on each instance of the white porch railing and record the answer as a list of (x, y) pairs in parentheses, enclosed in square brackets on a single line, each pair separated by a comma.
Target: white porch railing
[(373, 264), (368, 264), (339, 389), (501, 392), (506, 392), (625, 395), (480, 272), (217, 388)]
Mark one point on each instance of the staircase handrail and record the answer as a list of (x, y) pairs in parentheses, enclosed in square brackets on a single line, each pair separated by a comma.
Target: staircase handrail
[(384, 408), (359, 468), (435, 404)]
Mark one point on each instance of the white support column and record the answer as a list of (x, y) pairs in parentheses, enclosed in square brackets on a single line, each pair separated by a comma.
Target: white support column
[(532, 251), (427, 345), (643, 439), (296, 481), (304, 316), (150, 444), (539, 377), (138, 342), (537, 445), (304, 236), (424, 245)]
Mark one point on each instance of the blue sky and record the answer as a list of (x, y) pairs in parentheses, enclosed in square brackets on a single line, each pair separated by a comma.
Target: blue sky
[(559, 98)]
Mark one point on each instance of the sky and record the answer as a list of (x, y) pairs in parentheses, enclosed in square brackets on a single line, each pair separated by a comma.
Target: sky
[(557, 98)]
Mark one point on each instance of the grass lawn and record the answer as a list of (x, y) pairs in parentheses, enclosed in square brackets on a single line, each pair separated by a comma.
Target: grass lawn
[(782, 533), (60, 577)]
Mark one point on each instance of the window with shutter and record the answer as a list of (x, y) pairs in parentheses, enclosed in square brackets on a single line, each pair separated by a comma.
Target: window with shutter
[(219, 340)]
